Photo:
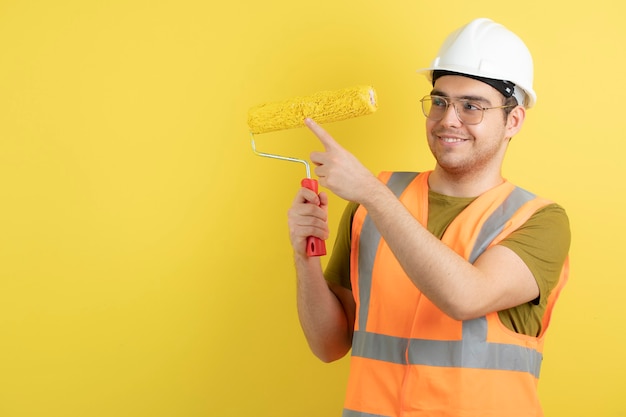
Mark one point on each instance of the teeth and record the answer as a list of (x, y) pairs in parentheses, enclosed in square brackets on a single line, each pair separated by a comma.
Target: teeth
[(451, 140)]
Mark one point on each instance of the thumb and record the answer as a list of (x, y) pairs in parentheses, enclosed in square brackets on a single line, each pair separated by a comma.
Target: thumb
[(323, 200)]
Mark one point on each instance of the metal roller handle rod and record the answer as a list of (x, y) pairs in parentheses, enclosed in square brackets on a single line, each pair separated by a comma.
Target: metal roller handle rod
[(281, 157)]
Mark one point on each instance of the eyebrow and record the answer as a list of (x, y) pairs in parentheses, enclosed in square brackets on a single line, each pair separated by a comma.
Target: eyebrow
[(472, 98)]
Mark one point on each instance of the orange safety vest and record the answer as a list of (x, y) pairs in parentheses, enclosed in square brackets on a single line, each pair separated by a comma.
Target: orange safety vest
[(410, 359)]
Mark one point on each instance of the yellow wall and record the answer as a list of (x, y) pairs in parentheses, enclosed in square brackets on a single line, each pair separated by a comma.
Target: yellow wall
[(144, 260)]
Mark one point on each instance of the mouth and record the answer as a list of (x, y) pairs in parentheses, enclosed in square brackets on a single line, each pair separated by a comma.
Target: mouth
[(451, 139)]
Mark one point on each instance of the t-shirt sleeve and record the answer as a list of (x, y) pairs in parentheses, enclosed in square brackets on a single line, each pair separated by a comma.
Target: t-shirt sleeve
[(337, 270), (543, 243)]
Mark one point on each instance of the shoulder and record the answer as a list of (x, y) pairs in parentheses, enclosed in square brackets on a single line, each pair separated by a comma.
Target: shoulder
[(548, 226), (552, 218), (543, 243)]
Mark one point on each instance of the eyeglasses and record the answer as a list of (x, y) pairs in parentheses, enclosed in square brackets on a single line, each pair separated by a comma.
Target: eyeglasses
[(470, 112)]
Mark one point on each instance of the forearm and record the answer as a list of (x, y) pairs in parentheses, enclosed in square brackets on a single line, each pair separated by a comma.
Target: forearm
[(432, 266), (322, 316)]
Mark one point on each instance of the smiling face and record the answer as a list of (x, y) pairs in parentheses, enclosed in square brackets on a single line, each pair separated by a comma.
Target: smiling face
[(462, 150)]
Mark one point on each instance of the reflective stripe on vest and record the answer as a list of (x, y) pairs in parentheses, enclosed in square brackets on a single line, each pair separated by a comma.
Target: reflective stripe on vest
[(352, 413), (483, 355), (411, 351), (369, 233)]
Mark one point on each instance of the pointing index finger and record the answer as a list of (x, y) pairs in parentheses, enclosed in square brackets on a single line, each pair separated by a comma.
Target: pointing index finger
[(321, 134)]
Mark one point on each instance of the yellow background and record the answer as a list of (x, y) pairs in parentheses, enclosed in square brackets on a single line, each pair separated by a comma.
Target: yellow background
[(145, 268)]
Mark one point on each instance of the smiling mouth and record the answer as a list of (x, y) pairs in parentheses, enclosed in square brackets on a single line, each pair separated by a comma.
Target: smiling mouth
[(451, 140)]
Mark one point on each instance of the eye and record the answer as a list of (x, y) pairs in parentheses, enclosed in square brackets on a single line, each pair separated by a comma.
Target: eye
[(439, 101), (471, 106)]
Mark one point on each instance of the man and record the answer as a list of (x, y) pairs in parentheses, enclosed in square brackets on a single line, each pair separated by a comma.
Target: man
[(442, 282)]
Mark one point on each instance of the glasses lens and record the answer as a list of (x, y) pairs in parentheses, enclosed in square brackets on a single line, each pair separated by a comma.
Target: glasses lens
[(468, 112), (434, 107)]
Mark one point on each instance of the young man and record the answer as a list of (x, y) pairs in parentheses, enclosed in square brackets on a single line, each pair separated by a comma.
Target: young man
[(442, 282)]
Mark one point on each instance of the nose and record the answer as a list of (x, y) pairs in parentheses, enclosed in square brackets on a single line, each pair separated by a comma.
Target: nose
[(451, 116)]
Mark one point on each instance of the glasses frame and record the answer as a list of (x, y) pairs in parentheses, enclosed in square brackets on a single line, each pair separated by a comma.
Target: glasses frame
[(449, 100)]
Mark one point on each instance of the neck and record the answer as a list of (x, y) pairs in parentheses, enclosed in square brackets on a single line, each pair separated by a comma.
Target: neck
[(469, 184)]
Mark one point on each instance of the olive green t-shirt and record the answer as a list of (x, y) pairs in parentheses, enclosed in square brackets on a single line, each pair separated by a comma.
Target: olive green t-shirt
[(542, 243)]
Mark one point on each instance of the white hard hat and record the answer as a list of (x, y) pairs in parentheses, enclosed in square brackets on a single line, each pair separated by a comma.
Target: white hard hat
[(486, 49)]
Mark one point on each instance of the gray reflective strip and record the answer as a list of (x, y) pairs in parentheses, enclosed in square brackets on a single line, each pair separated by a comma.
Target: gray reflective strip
[(352, 413), (457, 353), (367, 253), (379, 346), (400, 180), (498, 219), (369, 234)]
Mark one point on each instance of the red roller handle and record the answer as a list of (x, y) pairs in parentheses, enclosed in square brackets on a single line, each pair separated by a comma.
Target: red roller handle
[(314, 245)]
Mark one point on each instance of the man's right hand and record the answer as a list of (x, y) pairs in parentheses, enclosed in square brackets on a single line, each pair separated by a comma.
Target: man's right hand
[(307, 216)]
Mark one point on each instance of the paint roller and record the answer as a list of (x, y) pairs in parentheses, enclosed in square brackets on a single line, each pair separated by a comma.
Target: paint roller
[(323, 107)]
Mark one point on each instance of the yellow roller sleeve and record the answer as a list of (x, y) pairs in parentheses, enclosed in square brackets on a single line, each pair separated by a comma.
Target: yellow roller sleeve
[(323, 107)]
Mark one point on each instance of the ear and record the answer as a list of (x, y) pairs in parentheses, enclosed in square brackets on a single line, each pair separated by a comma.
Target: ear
[(515, 120)]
